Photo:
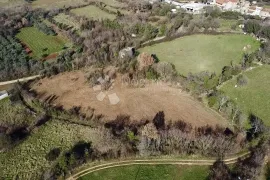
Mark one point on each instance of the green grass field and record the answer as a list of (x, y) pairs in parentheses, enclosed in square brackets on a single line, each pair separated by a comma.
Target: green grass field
[(150, 172), (115, 10), (37, 41), (113, 3), (254, 97), (226, 25), (198, 53), (93, 12), (67, 20), (4, 3), (50, 4)]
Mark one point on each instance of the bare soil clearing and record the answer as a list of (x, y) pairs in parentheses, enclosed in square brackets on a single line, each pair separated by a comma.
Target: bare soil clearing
[(71, 89)]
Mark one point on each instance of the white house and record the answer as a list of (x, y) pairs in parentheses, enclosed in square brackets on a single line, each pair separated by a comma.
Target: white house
[(195, 8), (254, 10), (3, 94)]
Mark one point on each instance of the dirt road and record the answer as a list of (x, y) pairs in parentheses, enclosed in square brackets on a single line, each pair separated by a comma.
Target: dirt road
[(206, 162), (20, 80)]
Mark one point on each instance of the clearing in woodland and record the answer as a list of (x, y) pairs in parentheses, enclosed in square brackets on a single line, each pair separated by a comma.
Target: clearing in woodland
[(150, 172), (93, 12), (40, 43), (71, 89), (197, 53), (67, 20), (254, 96)]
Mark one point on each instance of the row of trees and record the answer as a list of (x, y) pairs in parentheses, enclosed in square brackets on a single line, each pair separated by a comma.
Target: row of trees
[(14, 61), (249, 168)]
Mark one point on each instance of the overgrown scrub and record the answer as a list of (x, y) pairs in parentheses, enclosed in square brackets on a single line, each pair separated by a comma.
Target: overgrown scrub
[(27, 160), (14, 61)]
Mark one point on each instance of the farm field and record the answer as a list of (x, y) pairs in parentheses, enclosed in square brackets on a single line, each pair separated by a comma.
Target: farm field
[(150, 172), (39, 42), (113, 3), (198, 53), (93, 12), (6, 3), (115, 10), (226, 25), (253, 97), (49, 4), (27, 159), (71, 89), (67, 20)]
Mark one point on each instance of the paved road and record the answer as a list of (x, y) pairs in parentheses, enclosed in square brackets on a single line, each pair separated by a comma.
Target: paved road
[(20, 80), (206, 162)]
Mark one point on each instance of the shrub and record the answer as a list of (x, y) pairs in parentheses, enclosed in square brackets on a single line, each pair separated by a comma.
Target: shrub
[(53, 154), (252, 26), (242, 80)]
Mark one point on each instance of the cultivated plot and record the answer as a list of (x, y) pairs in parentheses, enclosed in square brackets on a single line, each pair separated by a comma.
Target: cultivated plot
[(229, 25), (40, 43), (50, 4), (8, 3), (113, 3), (93, 12), (253, 97), (112, 9), (67, 20), (198, 53)]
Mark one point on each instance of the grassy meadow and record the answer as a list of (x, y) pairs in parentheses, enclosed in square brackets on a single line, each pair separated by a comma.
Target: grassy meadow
[(198, 53), (67, 20), (150, 172), (93, 12), (50, 4), (115, 10), (113, 3), (39, 42), (6, 3), (226, 25), (253, 97)]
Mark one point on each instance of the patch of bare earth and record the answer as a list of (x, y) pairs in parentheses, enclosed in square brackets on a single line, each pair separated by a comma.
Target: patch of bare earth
[(71, 89)]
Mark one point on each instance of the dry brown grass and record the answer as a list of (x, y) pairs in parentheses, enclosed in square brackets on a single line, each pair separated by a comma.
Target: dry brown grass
[(71, 89)]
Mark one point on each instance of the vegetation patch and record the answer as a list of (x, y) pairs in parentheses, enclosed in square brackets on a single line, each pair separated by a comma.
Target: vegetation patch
[(150, 172), (252, 97), (50, 4), (28, 159), (41, 44), (67, 20), (198, 53), (113, 3), (229, 25), (115, 10), (93, 12)]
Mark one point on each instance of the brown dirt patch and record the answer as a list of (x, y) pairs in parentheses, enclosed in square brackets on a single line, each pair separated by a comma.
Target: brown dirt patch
[(71, 89), (51, 56)]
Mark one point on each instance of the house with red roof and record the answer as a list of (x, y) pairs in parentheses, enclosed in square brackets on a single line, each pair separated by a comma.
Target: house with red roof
[(227, 4)]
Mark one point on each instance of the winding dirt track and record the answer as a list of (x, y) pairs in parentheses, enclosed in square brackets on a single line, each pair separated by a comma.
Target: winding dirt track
[(20, 80), (154, 162)]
